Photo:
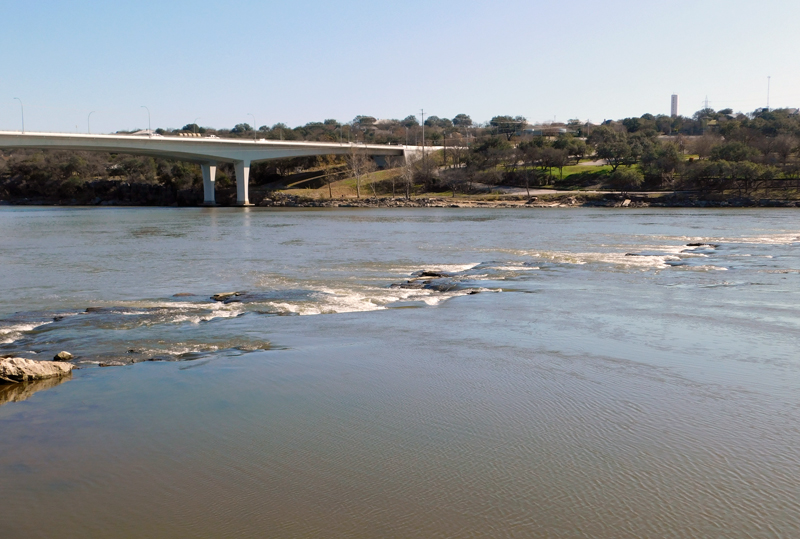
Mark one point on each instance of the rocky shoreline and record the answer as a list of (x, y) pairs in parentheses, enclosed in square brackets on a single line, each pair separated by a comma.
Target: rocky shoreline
[(561, 200), (608, 200)]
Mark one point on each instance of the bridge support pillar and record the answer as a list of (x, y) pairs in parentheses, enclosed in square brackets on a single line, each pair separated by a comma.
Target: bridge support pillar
[(209, 181), (242, 177)]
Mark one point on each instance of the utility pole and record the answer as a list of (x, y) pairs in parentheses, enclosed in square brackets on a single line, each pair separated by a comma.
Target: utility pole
[(768, 80), (22, 112), (254, 125), (150, 131)]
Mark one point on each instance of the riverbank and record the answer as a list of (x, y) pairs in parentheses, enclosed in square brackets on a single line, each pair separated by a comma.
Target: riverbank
[(556, 200), (561, 200)]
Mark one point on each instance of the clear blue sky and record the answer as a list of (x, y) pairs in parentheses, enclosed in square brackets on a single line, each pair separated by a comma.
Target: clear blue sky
[(299, 61)]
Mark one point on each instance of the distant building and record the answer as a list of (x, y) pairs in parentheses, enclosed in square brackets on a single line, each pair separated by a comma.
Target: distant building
[(674, 109)]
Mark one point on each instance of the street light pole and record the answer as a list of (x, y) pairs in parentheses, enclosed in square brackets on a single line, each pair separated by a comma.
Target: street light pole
[(196, 127), (88, 125), (254, 125), (22, 111), (149, 129), (422, 115)]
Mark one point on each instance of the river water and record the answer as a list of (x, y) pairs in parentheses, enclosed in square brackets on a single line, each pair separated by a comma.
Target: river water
[(557, 373)]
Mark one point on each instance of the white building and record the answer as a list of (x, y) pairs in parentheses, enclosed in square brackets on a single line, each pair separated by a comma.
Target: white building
[(674, 109)]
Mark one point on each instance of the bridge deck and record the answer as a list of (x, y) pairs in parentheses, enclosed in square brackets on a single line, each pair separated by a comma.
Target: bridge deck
[(205, 151)]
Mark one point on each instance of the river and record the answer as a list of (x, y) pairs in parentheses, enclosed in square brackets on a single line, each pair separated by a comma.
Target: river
[(402, 373)]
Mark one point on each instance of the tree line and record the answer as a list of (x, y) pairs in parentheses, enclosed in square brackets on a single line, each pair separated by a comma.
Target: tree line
[(710, 152)]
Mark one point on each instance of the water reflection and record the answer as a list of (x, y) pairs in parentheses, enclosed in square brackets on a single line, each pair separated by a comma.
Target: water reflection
[(25, 390)]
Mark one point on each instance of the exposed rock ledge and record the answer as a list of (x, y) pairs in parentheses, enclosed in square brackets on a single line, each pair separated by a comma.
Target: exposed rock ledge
[(17, 369)]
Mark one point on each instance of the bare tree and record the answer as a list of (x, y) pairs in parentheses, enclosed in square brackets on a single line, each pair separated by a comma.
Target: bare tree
[(409, 171), (453, 178), (703, 145), (784, 146), (393, 162), (359, 164)]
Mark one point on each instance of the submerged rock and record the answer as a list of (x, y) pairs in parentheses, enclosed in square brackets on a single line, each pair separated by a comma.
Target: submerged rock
[(62, 356), (712, 245), (222, 296), (17, 369), (437, 274), (441, 285), (409, 285)]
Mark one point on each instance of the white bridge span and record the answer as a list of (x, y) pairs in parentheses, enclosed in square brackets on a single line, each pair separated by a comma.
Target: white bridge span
[(207, 152)]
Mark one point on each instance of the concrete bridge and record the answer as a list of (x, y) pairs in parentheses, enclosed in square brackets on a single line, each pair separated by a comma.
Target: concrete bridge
[(206, 151)]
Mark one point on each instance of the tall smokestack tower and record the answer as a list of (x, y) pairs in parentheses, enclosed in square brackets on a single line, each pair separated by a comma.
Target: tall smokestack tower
[(674, 109)]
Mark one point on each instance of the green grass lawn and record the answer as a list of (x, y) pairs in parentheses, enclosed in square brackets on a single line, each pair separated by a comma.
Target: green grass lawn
[(574, 169)]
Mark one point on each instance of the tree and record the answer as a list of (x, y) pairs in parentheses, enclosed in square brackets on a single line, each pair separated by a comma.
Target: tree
[(490, 153), (435, 121), (632, 124), (553, 158), (528, 154), (507, 125), (612, 145), (662, 161), (394, 162), (640, 144), (626, 178), (462, 120), (733, 151), (241, 128), (577, 149), (453, 178), (410, 121), (364, 120), (408, 172), (703, 146), (359, 164), (784, 146)]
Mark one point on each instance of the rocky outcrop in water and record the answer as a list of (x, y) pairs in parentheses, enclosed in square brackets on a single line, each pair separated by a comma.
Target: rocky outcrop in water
[(17, 369), (222, 296), (440, 281), (62, 356)]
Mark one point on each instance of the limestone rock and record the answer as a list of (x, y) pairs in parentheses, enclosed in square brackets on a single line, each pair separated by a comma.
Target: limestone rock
[(62, 356), (17, 369)]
